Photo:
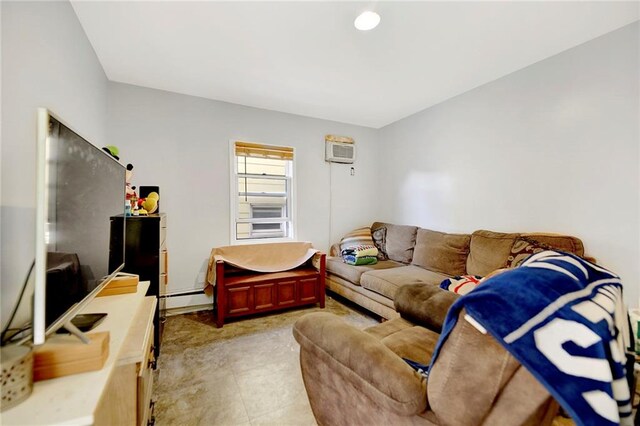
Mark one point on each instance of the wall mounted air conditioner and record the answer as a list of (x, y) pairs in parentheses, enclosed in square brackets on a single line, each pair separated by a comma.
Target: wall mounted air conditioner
[(339, 149)]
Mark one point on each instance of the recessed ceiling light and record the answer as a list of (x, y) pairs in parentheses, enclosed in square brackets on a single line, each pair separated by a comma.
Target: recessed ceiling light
[(367, 21)]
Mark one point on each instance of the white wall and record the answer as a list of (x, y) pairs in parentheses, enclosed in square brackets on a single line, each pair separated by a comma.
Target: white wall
[(47, 61), (553, 147), (181, 143)]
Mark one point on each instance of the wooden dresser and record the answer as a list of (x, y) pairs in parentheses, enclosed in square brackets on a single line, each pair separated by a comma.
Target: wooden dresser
[(145, 255), (127, 398), (117, 394)]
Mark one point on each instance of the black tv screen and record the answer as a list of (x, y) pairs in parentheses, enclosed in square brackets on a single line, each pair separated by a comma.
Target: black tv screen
[(83, 188)]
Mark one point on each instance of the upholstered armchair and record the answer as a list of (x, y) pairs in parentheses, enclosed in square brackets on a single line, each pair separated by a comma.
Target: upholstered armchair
[(355, 377)]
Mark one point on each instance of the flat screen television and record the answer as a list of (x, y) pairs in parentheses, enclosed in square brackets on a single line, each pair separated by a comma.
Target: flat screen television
[(79, 188)]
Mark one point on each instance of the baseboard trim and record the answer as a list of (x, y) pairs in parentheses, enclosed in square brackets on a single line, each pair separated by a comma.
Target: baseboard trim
[(188, 300), (188, 309)]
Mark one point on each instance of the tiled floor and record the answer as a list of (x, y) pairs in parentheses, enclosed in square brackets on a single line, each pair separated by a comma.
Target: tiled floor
[(246, 373)]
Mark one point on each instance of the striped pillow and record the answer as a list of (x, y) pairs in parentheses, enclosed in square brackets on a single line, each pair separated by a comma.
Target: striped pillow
[(357, 237)]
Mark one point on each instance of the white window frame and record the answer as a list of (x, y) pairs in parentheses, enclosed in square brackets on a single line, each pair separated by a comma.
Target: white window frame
[(233, 199)]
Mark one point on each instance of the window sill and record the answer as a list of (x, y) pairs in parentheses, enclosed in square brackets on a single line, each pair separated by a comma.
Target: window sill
[(262, 241)]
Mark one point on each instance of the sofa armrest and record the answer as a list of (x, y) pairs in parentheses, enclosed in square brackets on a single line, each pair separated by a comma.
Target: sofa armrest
[(424, 304), (362, 361)]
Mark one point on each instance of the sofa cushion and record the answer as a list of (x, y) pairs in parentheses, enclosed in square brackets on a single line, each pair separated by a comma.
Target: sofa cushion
[(411, 299), (400, 240), (489, 251), (414, 343), (441, 252), (386, 282), (352, 273), (387, 328)]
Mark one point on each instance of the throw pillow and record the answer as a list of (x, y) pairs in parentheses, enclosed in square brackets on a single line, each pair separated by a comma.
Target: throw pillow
[(522, 248), (380, 240), (462, 284), (357, 237)]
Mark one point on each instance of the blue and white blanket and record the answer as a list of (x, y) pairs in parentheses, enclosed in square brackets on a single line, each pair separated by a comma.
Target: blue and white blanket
[(564, 319)]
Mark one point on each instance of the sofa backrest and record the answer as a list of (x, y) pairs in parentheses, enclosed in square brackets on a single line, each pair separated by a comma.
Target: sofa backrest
[(399, 242), (457, 254), (494, 250), (441, 252), (561, 242), (474, 376)]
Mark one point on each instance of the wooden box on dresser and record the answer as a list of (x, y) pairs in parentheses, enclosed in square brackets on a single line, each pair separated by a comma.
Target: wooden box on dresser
[(145, 255)]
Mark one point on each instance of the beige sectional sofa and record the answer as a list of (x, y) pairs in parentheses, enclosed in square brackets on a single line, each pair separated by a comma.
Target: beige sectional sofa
[(423, 256)]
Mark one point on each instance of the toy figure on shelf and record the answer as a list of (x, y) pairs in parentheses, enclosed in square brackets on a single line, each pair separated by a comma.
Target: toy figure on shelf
[(112, 150), (133, 199), (150, 203), (130, 191)]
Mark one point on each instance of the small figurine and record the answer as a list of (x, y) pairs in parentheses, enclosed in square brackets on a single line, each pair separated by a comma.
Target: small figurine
[(130, 191)]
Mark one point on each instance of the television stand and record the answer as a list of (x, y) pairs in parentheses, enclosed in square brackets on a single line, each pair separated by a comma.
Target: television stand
[(117, 394)]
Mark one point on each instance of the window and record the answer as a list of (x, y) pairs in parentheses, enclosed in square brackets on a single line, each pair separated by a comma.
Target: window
[(262, 191), (266, 211)]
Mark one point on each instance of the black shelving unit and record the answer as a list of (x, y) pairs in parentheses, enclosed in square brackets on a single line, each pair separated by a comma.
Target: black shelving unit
[(145, 255)]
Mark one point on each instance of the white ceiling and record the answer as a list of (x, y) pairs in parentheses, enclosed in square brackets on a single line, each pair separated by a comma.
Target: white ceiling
[(307, 58)]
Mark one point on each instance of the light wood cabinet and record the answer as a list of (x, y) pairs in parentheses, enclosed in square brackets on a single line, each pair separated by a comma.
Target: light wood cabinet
[(120, 392), (127, 398)]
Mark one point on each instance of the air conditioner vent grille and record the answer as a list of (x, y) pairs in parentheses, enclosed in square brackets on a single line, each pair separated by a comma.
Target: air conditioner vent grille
[(338, 152), (342, 151)]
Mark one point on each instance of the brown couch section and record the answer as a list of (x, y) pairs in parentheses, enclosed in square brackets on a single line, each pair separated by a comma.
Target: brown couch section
[(353, 273), (340, 348), (489, 251), (387, 281), (475, 392), (441, 252), (355, 377), (400, 241), (420, 256), (411, 300)]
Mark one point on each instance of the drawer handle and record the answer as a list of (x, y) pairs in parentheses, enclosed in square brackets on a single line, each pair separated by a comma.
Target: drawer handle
[(152, 416)]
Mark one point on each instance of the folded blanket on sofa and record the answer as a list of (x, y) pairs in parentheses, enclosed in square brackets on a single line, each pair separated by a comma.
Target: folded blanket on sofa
[(564, 319), (360, 251), (360, 255), (363, 260)]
